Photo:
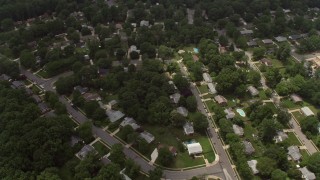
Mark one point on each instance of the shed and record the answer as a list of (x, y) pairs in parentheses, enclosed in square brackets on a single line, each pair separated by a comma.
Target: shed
[(147, 136), (194, 148), (294, 153), (307, 111), (188, 128), (183, 111), (306, 174), (81, 89), (253, 91), (207, 78), (253, 166), (238, 130)]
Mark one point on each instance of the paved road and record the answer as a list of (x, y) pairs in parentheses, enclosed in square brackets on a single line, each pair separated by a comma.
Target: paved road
[(223, 157), (107, 138)]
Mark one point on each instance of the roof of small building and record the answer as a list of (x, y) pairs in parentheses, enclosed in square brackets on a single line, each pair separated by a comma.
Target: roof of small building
[(183, 111), (131, 122), (280, 38), (253, 91), (281, 136), (267, 41), (144, 23), (175, 97), (230, 113), (5, 77), (252, 43), (43, 107), (194, 148), (36, 98), (307, 174), (246, 31), (85, 151), (294, 153), (307, 111), (296, 98), (207, 77), (212, 88), (114, 115), (91, 97), (188, 128), (238, 130), (266, 61), (18, 84), (253, 165), (220, 99), (249, 149), (81, 89), (147, 136), (195, 57)]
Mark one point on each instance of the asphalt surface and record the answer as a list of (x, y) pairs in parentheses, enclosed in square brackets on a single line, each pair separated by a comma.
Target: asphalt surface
[(216, 170)]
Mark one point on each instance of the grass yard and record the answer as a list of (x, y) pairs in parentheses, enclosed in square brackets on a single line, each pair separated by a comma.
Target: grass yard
[(292, 139), (304, 154), (184, 160), (43, 74), (276, 63), (208, 96), (262, 95), (101, 148), (35, 89), (298, 115), (287, 103), (203, 89), (210, 104), (207, 149), (271, 105)]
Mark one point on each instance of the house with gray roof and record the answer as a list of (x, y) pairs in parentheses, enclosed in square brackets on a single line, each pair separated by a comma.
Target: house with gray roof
[(306, 174), (85, 151), (18, 84), (246, 32), (307, 111), (207, 78), (43, 107), (130, 122), (296, 98), (280, 39), (144, 23), (5, 77), (253, 166), (230, 113), (188, 128), (212, 88), (175, 97), (81, 89), (237, 130), (36, 98), (294, 153), (28, 91), (221, 100), (248, 148), (252, 43), (114, 115), (281, 136), (253, 91), (267, 41), (183, 111), (147, 136)]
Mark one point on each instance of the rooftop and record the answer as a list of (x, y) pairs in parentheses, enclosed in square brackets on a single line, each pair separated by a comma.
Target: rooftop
[(307, 111), (188, 128), (253, 91), (249, 149), (238, 130), (294, 153), (194, 148), (253, 165), (308, 175), (114, 115), (183, 111), (147, 136)]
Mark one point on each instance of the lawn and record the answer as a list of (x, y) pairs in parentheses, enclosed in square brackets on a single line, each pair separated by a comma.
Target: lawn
[(210, 104), (184, 160), (101, 148), (304, 154), (287, 103), (35, 89), (263, 95), (207, 149), (203, 89), (207, 96), (43, 74), (298, 115), (292, 139), (276, 63), (271, 105)]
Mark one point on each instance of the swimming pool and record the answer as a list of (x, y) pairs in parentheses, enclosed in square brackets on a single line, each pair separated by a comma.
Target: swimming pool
[(196, 50), (241, 112)]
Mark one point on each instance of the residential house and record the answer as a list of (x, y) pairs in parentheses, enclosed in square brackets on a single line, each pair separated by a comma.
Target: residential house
[(266, 62), (212, 88), (253, 91), (36, 98), (221, 100), (252, 43), (246, 32), (248, 148), (307, 111), (294, 153), (144, 23), (238, 130), (85, 151), (207, 78), (43, 107), (92, 97), (183, 111), (130, 122), (280, 39), (114, 115), (195, 57), (253, 166), (296, 98), (230, 113), (18, 84), (281, 136), (175, 97), (306, 174), (194, 148), (29, 92), (188, 128), (81, 89), (147, 136), (267, 41), (296, 36), (5, 77)]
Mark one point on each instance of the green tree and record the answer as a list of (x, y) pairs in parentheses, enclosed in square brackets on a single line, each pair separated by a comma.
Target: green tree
[(177, 119), (313, 163), (132, 169), (200, 122), (191, 103), (110, 171), (165, 157), (165, 52), (116, 154), (278, 175), (155, 174), (266, 166), (258, 53), (309, 124), (27, 59), (85, 131)]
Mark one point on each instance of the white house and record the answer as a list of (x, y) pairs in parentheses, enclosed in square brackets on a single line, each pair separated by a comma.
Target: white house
[(307, 111), (306, 174), (147, 136), (207, 77), (212, 88), (188, 128), (194, 148), (183, 111), (253, 165), (238, 130)]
